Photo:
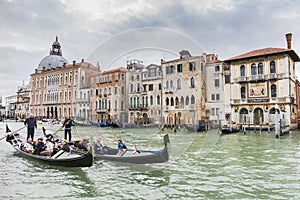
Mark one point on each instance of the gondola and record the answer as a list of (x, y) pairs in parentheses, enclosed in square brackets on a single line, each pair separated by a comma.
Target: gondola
[(134, 156), (195, 128), (100, 124), (61, 158)]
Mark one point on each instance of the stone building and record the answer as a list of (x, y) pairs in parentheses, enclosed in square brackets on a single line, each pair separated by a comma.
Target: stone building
[(263, 80), (22, 103), (183, 89), (109, 96), (59, 89)]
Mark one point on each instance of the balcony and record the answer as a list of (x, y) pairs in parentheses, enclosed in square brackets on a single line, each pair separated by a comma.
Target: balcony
[(273, 76), (242, 79), (253, 78), (169, 90), (102, 110)]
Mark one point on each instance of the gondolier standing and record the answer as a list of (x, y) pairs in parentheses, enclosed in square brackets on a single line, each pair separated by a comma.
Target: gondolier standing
[(67, 124), (30, 122)]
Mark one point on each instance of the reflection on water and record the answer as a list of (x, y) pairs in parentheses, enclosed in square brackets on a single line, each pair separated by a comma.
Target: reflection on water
[(201, 166)]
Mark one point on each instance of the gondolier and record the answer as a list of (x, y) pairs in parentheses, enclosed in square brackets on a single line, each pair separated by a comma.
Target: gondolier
[(68, 124), (30, 122)]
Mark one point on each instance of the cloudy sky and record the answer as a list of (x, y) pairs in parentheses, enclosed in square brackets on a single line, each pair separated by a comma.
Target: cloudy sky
[(113, 31)]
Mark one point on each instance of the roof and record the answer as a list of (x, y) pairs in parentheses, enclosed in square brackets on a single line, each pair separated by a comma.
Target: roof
[(264, 52)]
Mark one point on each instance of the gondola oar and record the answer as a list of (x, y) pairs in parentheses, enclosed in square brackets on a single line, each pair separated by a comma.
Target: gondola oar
[(8, 130), (57, 130)]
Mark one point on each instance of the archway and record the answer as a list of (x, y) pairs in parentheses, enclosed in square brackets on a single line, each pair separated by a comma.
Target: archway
[(272, 115), (243, 115), (258, 116)]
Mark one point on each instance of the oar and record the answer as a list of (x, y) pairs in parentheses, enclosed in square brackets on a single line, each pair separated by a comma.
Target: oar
[(57, 130), (12, 132)]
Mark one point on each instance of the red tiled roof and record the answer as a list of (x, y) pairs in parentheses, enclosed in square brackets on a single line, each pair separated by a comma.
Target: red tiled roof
[(264, 51)]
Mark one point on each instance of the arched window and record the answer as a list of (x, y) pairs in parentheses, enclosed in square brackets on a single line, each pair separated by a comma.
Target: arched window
[(243, 92), (273, 91), (178, 84), (243, 115), (260, 68), (158, 100), (171, 84), (187, 100), (167, 84), (176, 101), (192, 82), (182, 101), (192, 99), (253, 69), (131, 88), (272, 67), (172, 101), (243, 70), (167, 101), (151, 100)]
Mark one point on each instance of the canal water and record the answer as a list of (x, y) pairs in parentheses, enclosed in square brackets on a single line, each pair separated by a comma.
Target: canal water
[(201, 166)]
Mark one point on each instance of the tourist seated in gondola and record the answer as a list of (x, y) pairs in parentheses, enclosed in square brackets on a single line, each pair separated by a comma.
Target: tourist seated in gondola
[(40, 146), (121, 145), (50, 136), (28, 146), (99, 146), (65, 146), (136, 149), (80, 145), (49, 148)]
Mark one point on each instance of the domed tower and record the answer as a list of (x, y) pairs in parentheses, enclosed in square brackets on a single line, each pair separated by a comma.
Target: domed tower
[(56, 48), (55, 59)]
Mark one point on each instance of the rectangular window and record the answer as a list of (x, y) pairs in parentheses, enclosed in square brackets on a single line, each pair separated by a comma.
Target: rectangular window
[(213, 97), (150, 87), (116, 90), (213, 112), (227, 79), (217, 83), (217, 68), (192, 66), (217, 96), (179, 68), (152, 72), (159, 86)]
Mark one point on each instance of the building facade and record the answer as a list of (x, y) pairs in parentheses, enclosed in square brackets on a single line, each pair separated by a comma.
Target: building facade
[(58, 89), (263, 81)]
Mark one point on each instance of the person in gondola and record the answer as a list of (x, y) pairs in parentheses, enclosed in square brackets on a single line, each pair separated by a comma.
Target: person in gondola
[(28, 146), (68, 124), (30, 122), (80, 145), (40, 146), (65, 146), (121, 145), (49, 148), (99, 146)]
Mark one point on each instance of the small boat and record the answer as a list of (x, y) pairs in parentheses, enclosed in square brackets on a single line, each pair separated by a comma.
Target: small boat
[(195, 128), (113, 124), (134, 156), (226, 129), (61, 158)]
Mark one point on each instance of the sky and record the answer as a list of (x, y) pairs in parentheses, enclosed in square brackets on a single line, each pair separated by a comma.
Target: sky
[(111, 32)]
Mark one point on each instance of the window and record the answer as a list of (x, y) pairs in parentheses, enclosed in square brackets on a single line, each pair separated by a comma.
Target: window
[(192, 99), (159, 86), (217, 97), (273, 91), (172, 101), (192, 66), (213, 97), (167, 101), (179, 68), (227, 79), (152, 72), (182, 101), (151, 87), (122, 90), (167, 84), (178, 84), (187, 100), (243, 70), (116, 90), (192, 82), (253, 69), (217, 68), (217, 83), (260, 68), (170, 69), (243, 92), (158, 100), (131, 88), (272, 67), (171, 84)]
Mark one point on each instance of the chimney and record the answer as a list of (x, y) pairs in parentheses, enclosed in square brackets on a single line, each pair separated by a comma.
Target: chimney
[(36, 71), (74, 62), (65, 65), (288, 37)]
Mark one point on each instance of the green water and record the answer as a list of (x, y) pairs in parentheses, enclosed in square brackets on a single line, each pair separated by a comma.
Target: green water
[(201, 166)]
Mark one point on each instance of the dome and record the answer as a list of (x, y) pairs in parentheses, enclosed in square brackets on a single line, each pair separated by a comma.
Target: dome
[(52, 61)]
